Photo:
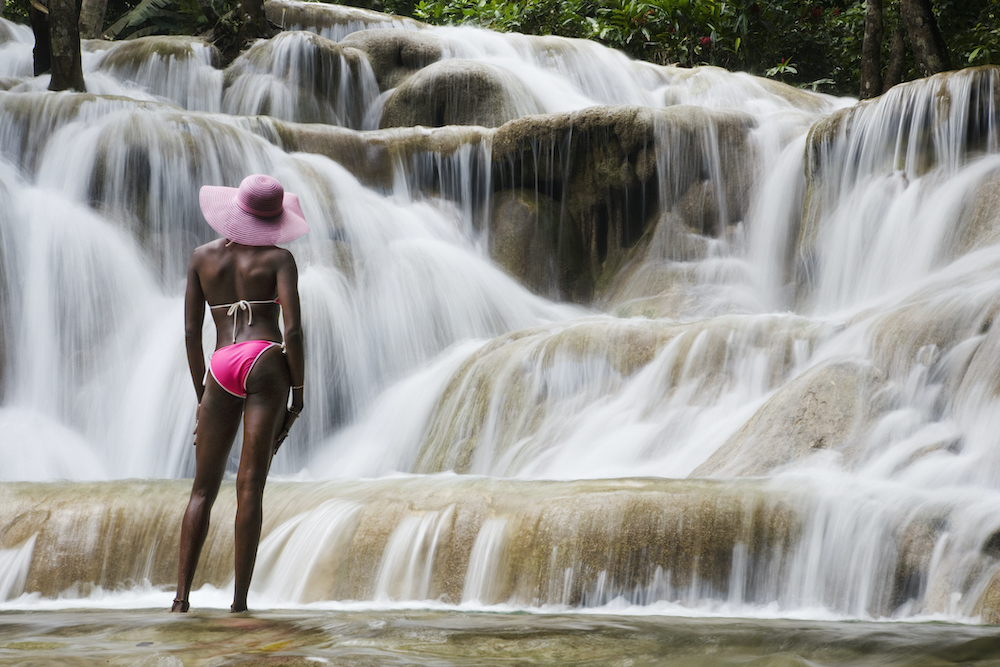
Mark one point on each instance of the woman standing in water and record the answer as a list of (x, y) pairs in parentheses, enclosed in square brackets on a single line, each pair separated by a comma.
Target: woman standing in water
[(246, 281)]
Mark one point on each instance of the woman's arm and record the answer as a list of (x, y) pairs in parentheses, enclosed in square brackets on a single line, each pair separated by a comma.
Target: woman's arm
[(288, 294), (194, 319)]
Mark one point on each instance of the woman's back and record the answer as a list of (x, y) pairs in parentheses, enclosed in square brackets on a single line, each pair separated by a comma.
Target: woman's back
[(241, 285)]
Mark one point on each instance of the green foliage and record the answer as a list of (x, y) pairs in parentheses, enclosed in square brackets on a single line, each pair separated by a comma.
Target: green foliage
[(814, 44), (16, 10), (972, 31), (811, 44)]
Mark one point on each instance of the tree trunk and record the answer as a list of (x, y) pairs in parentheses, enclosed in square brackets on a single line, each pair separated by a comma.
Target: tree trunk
[(929, 48), (64, 36), (871, 51), (897, 57), (42, 53), (92, 18)]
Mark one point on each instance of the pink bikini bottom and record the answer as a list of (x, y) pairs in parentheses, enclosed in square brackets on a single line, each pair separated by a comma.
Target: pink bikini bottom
[(230, 365)]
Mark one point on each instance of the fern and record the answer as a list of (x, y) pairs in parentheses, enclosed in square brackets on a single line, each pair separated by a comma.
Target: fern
[(142, 12)]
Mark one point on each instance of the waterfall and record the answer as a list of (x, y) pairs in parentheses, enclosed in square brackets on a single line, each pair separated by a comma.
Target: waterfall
[(580, 331)]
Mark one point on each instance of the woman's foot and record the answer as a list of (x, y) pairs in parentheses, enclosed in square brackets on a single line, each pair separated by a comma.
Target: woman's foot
[(180, 606)]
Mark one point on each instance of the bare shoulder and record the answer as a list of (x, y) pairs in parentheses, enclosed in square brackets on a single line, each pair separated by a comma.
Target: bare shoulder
[(206, 252), (281, 257)]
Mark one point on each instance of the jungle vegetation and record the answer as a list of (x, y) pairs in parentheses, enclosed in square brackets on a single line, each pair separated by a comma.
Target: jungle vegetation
[(818, 44)]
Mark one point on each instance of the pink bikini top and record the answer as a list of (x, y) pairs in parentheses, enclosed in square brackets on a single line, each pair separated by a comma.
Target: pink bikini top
[(242, 304)]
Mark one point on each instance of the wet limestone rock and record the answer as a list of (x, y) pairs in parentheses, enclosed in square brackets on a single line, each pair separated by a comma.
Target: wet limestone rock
[(371, 156), (313, 68), (901, 131), (336, 19), (395, 54), (527, 236), (6, 34), (988, 607), (490, 415), (981, 225), (458, 92), (129, 55), (980, 385), (820, 410), (601, 164)]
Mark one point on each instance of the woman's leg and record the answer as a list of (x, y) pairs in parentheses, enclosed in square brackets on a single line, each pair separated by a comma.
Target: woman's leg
[(263, 416), (218, 421)]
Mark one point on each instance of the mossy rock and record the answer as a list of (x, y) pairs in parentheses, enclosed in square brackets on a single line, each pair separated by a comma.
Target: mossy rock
[(458, 92), (131, 54), (371, 155), (317, 56), (332, 18), (522, 238), (395, 54), (600, 163)]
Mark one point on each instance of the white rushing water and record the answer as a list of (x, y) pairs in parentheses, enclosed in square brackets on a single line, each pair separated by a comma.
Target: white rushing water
[(837, 337)]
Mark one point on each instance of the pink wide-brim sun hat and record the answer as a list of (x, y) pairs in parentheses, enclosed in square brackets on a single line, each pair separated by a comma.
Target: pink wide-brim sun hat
[(259, 212)]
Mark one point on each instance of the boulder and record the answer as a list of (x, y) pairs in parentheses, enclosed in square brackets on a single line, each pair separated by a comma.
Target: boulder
[(334, 21), (988, 607), (901, 131), (981, 225), (458, 92), (524, 235), (129, 55), (823, 409), (296, 76), (601, 164), (371, 156), (395, 54)]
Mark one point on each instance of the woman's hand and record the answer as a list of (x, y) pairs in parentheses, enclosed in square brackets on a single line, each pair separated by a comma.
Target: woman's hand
[(290, 416), (197, 415)]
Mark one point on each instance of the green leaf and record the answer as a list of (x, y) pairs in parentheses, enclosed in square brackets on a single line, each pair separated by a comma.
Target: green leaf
[(139, 15)]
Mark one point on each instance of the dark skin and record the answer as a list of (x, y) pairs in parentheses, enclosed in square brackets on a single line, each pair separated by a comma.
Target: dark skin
[(223, 272)]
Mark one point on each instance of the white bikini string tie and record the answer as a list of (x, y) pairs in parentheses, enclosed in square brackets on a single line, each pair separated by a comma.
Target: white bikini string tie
[(234, 311)]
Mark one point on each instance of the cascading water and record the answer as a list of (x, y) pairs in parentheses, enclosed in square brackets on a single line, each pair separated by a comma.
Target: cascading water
[(775, 285)]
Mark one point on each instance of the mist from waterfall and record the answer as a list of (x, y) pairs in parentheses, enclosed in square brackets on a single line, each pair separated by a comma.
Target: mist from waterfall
[(833, 339)]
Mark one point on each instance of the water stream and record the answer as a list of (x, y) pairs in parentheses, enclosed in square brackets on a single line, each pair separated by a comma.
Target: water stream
[(777, 395)]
